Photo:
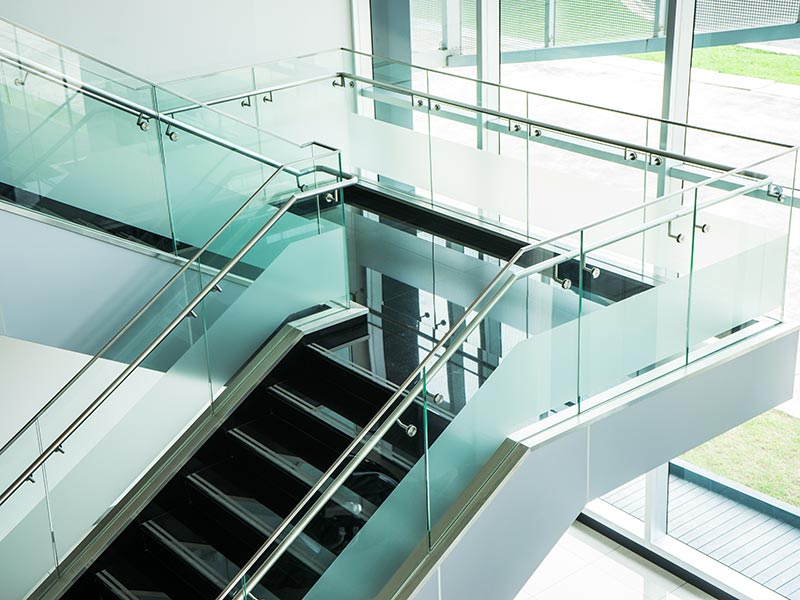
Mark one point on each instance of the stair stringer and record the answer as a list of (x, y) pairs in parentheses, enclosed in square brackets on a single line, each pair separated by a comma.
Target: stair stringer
[(538, 482), (525, 493)]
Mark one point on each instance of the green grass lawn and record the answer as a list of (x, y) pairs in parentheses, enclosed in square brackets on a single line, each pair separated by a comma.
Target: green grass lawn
[(736, 60), (763, 454)]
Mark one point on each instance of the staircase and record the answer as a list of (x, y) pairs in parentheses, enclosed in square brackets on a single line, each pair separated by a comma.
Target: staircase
[(237, 488)]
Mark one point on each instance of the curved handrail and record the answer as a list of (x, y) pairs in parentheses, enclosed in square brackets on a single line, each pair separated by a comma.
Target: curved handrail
[(87, 412), (357, 455)]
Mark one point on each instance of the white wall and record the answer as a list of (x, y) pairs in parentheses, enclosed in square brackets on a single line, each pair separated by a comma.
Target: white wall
[(161, 40), (516, 527)]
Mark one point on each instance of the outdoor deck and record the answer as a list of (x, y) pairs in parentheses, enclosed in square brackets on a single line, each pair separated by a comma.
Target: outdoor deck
[(750, 541)]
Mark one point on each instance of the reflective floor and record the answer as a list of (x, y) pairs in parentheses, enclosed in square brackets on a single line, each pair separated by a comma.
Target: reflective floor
[(585, 564)]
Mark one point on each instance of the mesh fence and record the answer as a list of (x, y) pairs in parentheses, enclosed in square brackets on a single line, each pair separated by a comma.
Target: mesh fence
[(594, 21), (729, 15), (426, 25), (523, 23), (469, 34)]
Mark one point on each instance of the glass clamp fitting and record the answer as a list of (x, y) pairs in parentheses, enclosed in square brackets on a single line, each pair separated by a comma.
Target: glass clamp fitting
[(143, 123), (678, 237), (411, 430), (565, 283)]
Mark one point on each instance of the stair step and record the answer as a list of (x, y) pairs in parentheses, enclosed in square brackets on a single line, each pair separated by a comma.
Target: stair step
[(304, 472), (312, 554), (204, 559), (331, 418), (123, 593)]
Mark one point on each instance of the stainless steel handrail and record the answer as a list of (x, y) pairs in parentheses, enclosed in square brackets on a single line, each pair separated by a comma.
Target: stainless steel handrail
[(485, 111), (142, 310), (137, 110), (617, 111), (255, 92), (538, 124), (87, 412), (358, 455)]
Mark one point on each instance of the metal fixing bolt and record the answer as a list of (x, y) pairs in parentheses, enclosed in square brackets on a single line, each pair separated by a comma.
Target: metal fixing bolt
[(565, 283), (246, 102), (593, 272), (172, 135), (704, 228), (20, 81), (678, 237), (438, 398), (143, 123), (329, 197), (631, 155), (775, 191), (536, 133), (411, 430), (656, 161), (267, 97), (437, 107)]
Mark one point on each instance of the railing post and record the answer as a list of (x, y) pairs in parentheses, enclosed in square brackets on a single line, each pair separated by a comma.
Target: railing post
[(549, 23), (655, 503), (451, 26), (488, 20)]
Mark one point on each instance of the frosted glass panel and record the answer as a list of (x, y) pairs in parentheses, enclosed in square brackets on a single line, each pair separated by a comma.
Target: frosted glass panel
[(645, 323), (395, 152), (481, 179), (740, 265)]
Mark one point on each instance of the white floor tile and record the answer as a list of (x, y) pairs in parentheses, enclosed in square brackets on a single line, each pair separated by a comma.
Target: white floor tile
[(687, 592), (559, 565), (585, 564), (639, 574), (590, 582)]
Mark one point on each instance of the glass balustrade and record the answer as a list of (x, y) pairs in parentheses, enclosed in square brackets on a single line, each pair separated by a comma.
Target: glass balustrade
[(637, 278), (525, 162), (662, 246)]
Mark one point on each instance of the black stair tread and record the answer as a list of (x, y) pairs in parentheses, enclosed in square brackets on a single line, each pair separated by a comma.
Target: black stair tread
[(308, 551), (343, 389), (392, 458), (121, 591), (251, 436), (405, 450), (205, 559), (353, 370)]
